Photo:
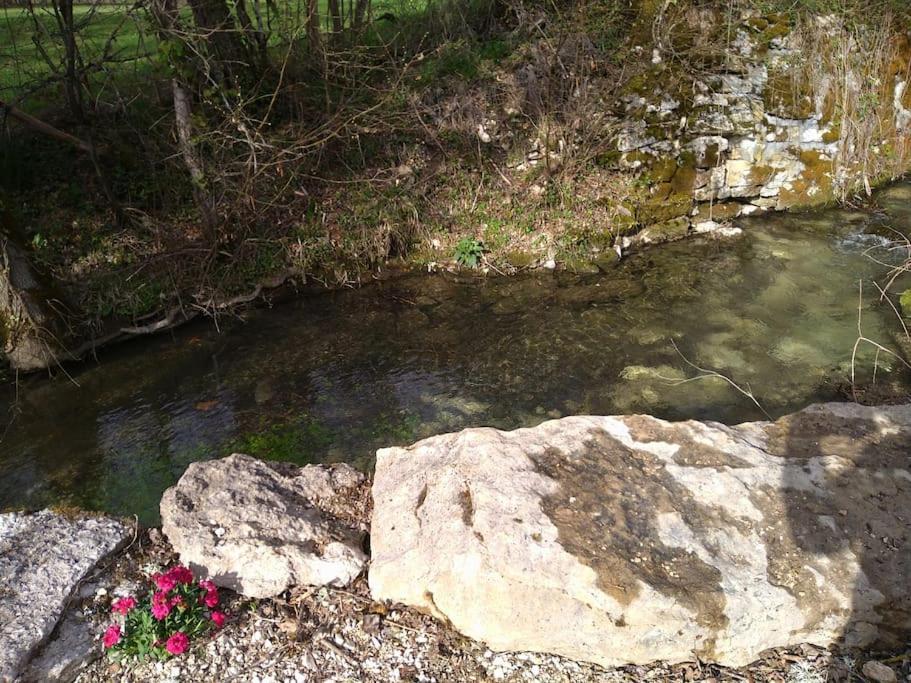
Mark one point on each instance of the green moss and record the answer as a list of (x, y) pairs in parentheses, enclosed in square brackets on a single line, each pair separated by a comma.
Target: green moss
[(788, 95), (520, 259), (606, 260), (580, 264), (776, 27), (709, 159), (609, 159), (833, 134), (666, 231), (814, 187), (905, 301), (661, 169), (684, 179), (760, 174), (665, 208)]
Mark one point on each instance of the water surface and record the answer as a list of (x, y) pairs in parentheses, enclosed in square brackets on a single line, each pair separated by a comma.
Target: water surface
[(332, 377)]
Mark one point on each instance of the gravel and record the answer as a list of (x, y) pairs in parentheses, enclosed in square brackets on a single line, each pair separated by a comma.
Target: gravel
[(329, 634)]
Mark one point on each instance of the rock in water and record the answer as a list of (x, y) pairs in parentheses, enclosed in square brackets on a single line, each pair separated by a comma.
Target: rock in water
[(879, 672), (43, 557), (259, 527), (630, 539)]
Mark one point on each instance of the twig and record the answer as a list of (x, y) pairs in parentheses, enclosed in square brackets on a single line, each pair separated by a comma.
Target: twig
[(712, 373)]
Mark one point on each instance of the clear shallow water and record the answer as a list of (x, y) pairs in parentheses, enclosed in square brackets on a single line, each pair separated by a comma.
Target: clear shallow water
[(335, 376)]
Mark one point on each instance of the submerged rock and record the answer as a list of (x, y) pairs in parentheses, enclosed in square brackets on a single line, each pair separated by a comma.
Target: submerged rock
[(260, 528), (43, 558), (630, 539)]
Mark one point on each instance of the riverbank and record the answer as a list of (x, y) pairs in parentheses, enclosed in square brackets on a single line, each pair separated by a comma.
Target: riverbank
[(328, 634), (543, 140), (452, 556)]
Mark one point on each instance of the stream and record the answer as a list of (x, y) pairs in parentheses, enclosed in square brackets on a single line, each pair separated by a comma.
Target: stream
[(334, 376)]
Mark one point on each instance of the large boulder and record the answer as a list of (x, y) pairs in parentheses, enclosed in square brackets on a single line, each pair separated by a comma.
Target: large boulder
[(260, 527), (43, 558), (630, 539)]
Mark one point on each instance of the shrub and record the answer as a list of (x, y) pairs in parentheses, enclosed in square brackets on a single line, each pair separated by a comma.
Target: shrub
[(175, 610)]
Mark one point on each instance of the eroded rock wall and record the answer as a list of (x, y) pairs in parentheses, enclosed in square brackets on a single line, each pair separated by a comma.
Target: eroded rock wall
[(790, 116)]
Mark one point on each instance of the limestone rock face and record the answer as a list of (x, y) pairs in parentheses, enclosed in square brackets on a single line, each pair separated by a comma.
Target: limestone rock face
[(259, 527), (629, 539), (43, 557)]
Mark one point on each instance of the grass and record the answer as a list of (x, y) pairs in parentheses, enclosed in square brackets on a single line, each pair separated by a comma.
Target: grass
[(31, 49), (30, 53)]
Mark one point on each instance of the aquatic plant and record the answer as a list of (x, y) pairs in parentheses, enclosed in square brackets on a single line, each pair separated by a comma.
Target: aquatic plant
[(175, 610)]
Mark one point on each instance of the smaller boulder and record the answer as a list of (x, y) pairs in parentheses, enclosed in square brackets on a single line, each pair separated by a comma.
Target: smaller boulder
[(43, 558), (259, 528)]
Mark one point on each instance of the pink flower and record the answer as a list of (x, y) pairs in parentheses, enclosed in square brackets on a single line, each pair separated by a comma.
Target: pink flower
[(161, 606), (177, 601), (207, 585), (218, 618), (111, 636), (211, 599), (165, 582), (180, 574), (123, 605), (177, 644)]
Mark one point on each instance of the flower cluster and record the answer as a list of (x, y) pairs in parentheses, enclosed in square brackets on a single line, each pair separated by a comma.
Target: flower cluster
[(176, 609)]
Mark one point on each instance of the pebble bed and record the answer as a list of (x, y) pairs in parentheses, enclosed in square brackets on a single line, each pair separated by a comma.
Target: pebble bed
[(330, 634)]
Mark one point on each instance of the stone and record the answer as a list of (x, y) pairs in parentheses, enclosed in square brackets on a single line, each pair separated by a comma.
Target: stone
[(70, 649), (724, 211), (879, 672), (665, 231), (43, 558), (259, 528), (738, 172), (630, 539)]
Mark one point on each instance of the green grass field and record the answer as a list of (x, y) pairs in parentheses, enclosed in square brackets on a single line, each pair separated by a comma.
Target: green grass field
[(31, 49)]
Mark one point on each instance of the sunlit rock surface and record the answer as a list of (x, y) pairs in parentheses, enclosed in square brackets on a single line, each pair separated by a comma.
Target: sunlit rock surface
[(632, 539), (43, 557), (260, 528)]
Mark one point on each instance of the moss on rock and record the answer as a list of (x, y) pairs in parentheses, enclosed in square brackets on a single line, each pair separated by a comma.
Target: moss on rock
[(664, 208)]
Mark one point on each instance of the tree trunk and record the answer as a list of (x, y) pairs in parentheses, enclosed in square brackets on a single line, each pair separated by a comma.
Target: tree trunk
[(254, 34), (335, 12), (201, 192), (216, 26), (360, 14), (313, 31), (33, 333), (63, 11)]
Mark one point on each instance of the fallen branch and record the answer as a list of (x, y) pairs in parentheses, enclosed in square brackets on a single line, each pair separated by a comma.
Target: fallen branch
[(179, 315), (45, 128)]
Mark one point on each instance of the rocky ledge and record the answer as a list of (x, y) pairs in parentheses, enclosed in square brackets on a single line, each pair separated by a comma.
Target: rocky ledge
[(630, 539)]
